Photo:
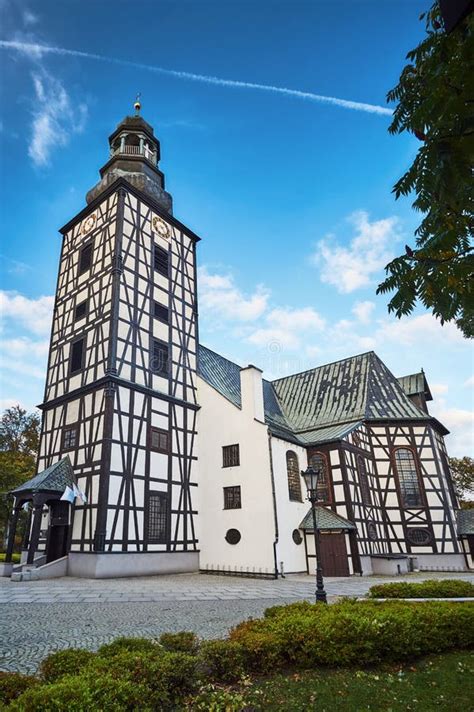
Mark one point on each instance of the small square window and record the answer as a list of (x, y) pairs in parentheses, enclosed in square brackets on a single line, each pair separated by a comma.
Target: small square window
[(80, 311), (85, 258), (160, 258), (76, 359), (159, 358), (232, 498), (159, 440), (70, 437), (160, 312), (230, 456)]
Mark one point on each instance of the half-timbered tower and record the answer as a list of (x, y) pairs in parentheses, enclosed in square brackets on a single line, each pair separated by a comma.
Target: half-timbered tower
[(120, 397)]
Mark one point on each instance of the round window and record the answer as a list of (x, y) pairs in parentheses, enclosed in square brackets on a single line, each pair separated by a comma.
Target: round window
[(233, 536), (297, 538), (419, 537), (372, 531)]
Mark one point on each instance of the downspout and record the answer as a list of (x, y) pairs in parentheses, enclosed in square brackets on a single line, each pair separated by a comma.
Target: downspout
[(275, 514)]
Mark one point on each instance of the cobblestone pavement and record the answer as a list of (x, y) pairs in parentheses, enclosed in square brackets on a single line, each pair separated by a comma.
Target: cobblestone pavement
[(39, 617)]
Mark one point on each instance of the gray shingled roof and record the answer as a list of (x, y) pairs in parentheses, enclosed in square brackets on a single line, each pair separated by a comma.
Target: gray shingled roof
[(465, 519), (320, 405), (414, 384), (357, 388), (54, 479), (325, 519)]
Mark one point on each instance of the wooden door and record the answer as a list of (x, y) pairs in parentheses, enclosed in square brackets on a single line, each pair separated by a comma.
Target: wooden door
[(334, 559)]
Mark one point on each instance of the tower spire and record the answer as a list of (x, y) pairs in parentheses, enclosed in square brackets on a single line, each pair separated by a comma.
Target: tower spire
[(137, 105)]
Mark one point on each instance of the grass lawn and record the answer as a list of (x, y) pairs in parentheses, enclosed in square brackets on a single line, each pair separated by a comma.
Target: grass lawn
[(441, 682)]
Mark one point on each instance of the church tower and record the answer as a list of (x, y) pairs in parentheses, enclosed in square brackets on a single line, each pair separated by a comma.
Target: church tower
[(120, 396)]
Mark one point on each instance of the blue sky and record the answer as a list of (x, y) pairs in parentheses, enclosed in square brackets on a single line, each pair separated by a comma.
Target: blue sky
[(291, 194)]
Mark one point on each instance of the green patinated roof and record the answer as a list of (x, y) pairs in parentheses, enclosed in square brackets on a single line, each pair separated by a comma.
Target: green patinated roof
[(327, 434), (465, 522), (54, 479), (414, 384), (326, 519), (320, 405), (357, 388)]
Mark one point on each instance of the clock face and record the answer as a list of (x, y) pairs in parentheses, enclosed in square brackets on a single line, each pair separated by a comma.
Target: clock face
[(161, 227), (88, 224)]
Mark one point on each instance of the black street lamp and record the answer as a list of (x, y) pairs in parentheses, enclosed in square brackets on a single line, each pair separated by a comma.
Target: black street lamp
[(311, 477)]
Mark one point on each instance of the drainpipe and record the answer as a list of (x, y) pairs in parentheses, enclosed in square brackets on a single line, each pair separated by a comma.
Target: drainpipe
[(275, 514)]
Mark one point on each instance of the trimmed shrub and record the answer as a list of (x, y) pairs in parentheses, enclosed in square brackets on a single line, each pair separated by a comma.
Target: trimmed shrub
[(84, 694), (64, 662), (13, 684), (183, 642), (290, 609), (167, 676), (222, 660), (447, 588), (129, 645), (360, 633)]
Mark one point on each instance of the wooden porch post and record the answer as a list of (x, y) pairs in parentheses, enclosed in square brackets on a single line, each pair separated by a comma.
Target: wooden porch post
[(35, 533)]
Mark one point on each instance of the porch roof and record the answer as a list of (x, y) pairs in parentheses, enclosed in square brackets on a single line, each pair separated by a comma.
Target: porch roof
[(54, 479), (326, 520)]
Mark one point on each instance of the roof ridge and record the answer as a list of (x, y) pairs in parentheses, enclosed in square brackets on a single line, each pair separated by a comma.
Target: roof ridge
[(323, 365)]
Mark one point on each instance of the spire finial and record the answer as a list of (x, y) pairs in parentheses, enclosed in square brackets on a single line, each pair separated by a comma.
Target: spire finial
[(137, 105)]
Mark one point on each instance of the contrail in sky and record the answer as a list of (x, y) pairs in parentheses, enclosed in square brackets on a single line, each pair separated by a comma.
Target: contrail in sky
[(38, 50)]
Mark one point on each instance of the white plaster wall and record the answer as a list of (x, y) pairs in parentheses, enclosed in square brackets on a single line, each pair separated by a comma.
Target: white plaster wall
[(290, 514), (222, 423)]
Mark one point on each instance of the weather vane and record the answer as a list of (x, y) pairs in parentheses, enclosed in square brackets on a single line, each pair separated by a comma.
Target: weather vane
[(137, 105)]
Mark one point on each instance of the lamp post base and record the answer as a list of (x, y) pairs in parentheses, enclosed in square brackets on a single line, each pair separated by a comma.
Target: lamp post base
[(321, 597)]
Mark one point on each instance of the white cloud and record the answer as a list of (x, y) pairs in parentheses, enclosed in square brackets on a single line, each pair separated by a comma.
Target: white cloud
[(469, 383), (34, 314), (354, 265), (219, 298), (29, 18), (287, 328), (422, 329), (55, 117), (460, 423), (363, 311)]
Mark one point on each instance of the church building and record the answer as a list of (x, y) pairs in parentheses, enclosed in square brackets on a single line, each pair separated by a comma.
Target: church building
[(158, 455)]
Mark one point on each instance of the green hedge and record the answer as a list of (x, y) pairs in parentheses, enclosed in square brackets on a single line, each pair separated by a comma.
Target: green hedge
[(447, 588), (133, 673)]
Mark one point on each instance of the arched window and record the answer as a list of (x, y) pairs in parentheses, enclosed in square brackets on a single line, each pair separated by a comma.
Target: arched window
[(294, 479), (410, 493), (318, 462), (363, 480)]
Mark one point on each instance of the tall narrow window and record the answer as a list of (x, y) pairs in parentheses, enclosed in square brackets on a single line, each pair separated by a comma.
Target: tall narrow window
[(157, 516), (410, 492), (363, 480), (232, 498), (76, 358), (294, 478), (160, 312), (318, 462), (160, 258), (230, 456), (85, 258), (158, 440), (159, 358)]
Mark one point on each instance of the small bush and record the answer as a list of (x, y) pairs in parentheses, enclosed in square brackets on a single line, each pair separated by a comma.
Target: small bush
[(64, 662), (222, 660), (128, 645), (183, 642), (80, 694), (13, 684), (447, 588), (167, 676)]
